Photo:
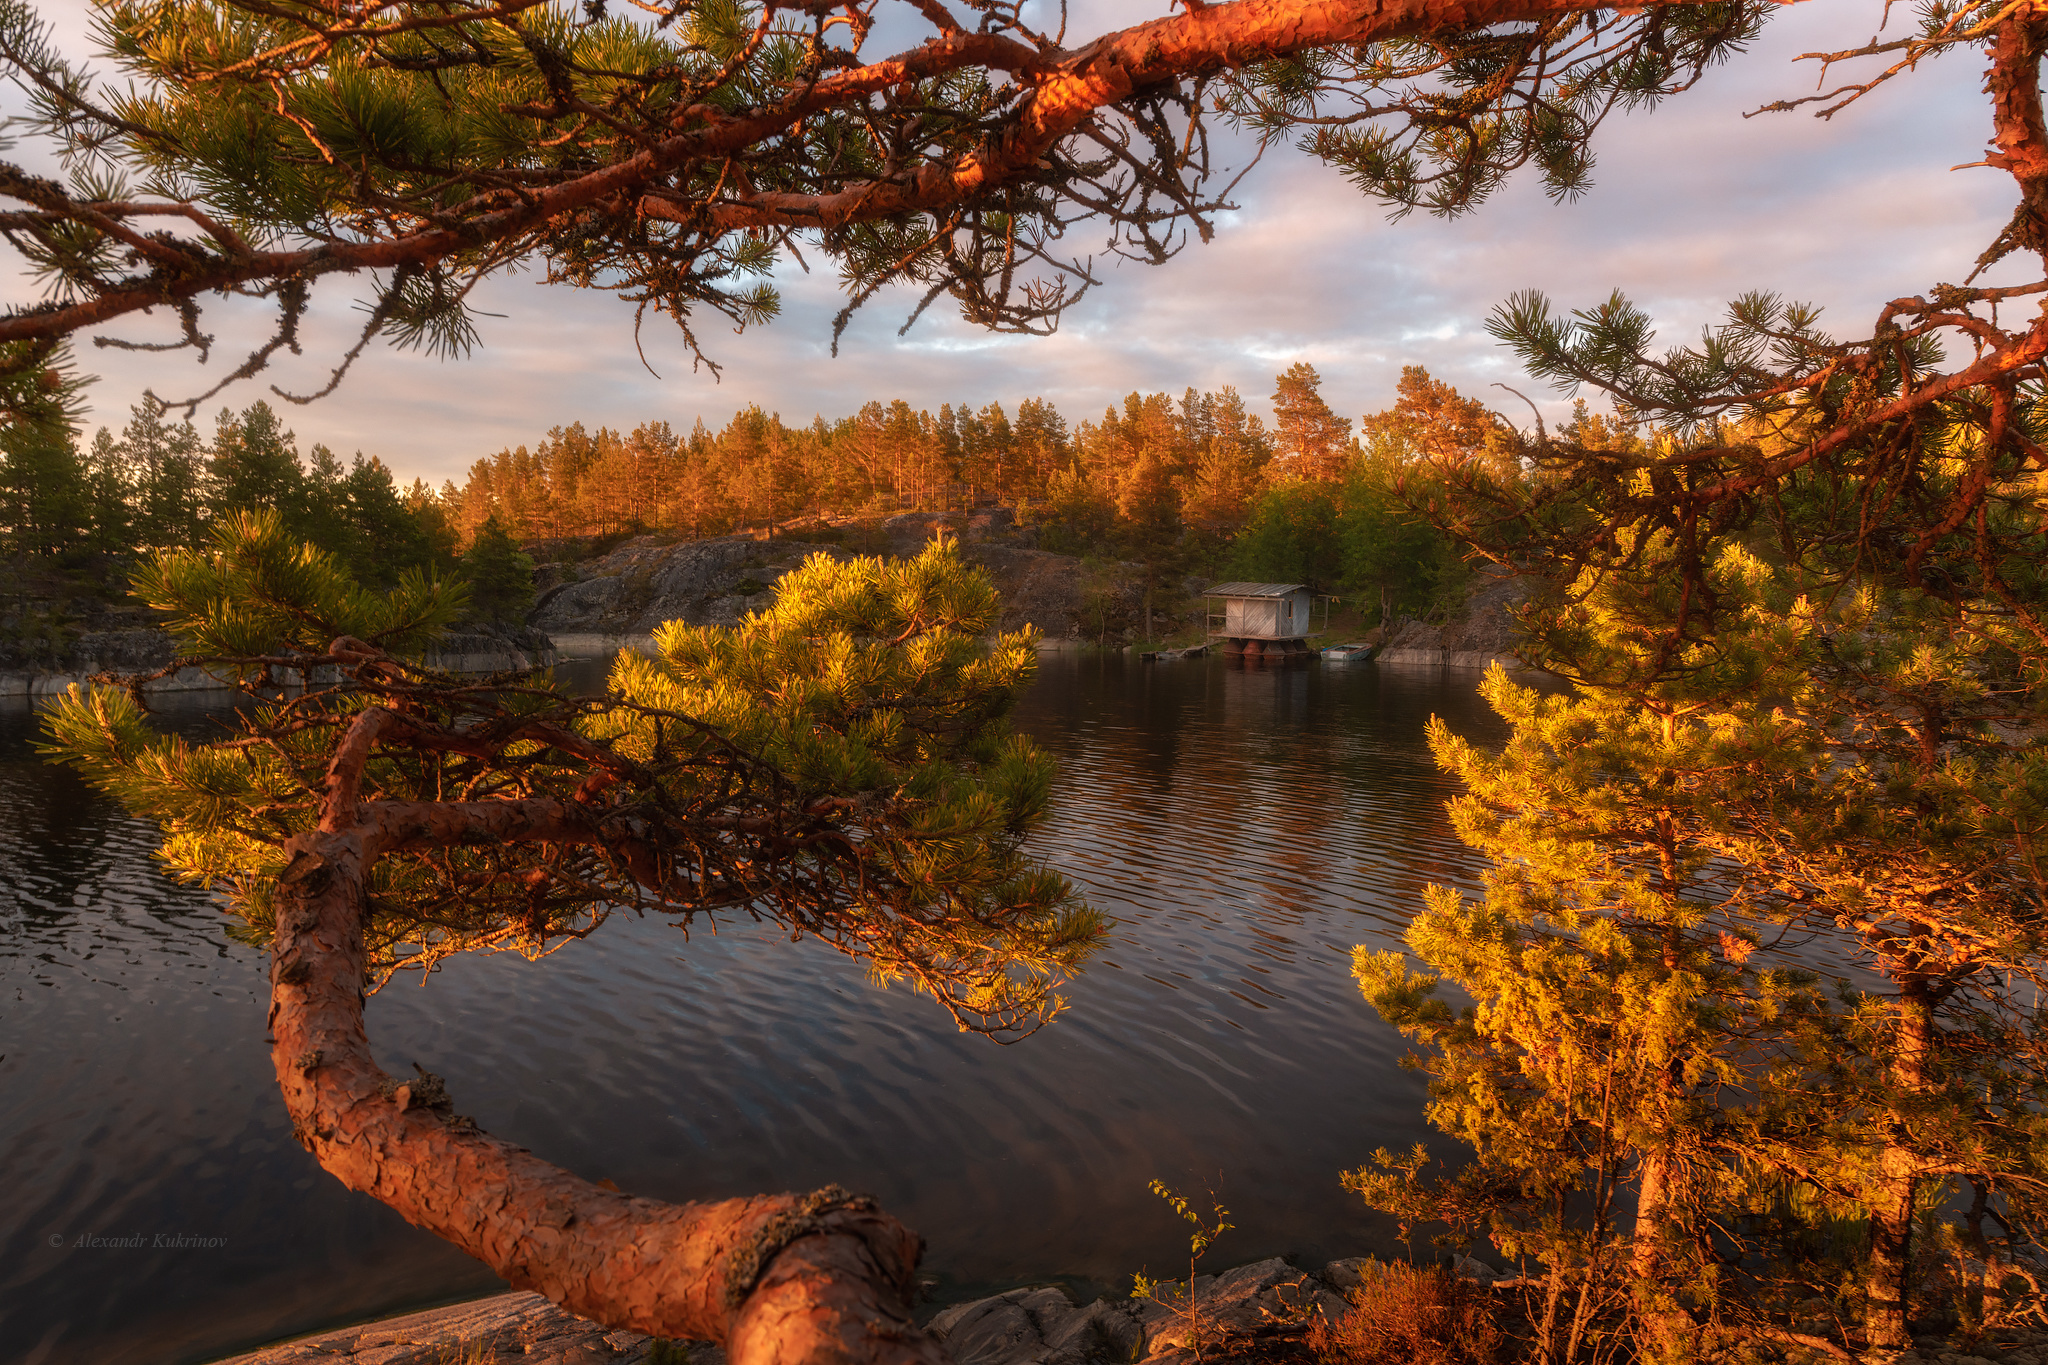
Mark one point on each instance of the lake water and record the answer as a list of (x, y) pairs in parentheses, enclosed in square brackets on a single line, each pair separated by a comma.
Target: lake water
[(1245, 828)]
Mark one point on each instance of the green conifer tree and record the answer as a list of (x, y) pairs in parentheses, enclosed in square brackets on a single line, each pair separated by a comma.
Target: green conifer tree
[(1836, 607), (1292, 537), (1620, 1044), (167, 469), (254, 466), (383, 533), (499, 574), (45, 506), (110, 521), (1231, 467), (1391, 552)]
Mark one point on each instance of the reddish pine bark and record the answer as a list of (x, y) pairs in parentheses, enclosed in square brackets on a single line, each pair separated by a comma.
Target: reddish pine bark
[(1068, 89), (1901, 1168), (2014, 84)]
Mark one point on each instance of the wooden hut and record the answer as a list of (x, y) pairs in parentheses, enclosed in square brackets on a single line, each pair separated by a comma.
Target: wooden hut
[(1260, 618)]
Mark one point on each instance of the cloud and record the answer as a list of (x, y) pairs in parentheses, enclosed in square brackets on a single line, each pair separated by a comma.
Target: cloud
[(1692, 205)]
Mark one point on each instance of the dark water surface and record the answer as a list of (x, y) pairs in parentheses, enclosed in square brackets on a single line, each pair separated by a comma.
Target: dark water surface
[(1244, 828)]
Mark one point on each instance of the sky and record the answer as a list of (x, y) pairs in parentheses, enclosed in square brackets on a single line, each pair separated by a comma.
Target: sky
[(1691, 205)]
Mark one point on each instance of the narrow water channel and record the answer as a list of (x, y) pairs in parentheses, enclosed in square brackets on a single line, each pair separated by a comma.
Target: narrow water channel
[(1244, 828)]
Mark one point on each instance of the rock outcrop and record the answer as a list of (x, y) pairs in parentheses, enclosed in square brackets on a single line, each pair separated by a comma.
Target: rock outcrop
[(650, 580), (647, 581), (123, 649), (491, 651), (140, 649), (1045, 1327), (1483, 636)]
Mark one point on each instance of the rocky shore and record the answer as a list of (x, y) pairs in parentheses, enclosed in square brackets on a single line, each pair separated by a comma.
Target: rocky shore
[(622, 597), (143, 649), (594, 607), (1030, 1326), (1484, 636), (1268, 1301)]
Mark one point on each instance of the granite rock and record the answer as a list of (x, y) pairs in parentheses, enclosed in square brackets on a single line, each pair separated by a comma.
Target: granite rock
[(649, 581), (1237, 1302), (1044, 1327), (1037, 1327), (523, 1327), (1345, 1274)]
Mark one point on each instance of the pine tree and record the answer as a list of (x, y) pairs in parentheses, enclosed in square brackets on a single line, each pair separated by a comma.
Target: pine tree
[(1619, 1041), (255, 467), (768, 478), (1293, 536), (652, 464), (1232, 467), (109, 497), (1314, 441), (1391, 551), (167, 467), (499, 575), (550, 488), (1077, 511), (1432, 421), (1042, 443), (259, 114), (1149, 485), (45, 506), (700, 492), (386, 532), (1837, 603), (838, 764), (990, 453)]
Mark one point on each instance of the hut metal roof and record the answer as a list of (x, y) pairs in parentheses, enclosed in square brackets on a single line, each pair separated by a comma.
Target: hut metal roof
[(1255, 589)]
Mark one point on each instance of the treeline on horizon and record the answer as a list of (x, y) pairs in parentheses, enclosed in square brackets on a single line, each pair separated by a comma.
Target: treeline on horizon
[(1191, 485)]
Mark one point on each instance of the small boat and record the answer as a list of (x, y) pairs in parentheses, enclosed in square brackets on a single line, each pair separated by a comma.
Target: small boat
[(1348, 654)]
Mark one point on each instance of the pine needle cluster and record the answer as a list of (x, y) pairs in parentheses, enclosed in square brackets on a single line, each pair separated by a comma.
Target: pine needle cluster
[(838, 765)]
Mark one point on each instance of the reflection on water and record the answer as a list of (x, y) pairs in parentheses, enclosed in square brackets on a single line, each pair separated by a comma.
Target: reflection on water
[(1244, 828)]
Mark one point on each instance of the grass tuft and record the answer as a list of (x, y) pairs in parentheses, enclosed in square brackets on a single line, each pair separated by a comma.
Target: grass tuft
[(1401, 1315)]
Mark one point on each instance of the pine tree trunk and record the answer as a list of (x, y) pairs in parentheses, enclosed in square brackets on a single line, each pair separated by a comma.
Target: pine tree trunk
[(1891, 1250), (822, 1279), (1547, 1345), (1665, 1329), (1889, 1278), (1646, 1256)]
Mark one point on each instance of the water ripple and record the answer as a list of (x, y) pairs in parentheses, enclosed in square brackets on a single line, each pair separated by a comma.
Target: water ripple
[(1244, 829)]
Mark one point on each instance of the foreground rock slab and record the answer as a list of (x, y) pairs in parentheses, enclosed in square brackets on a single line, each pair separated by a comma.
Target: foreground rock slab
[(509, 1327)]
